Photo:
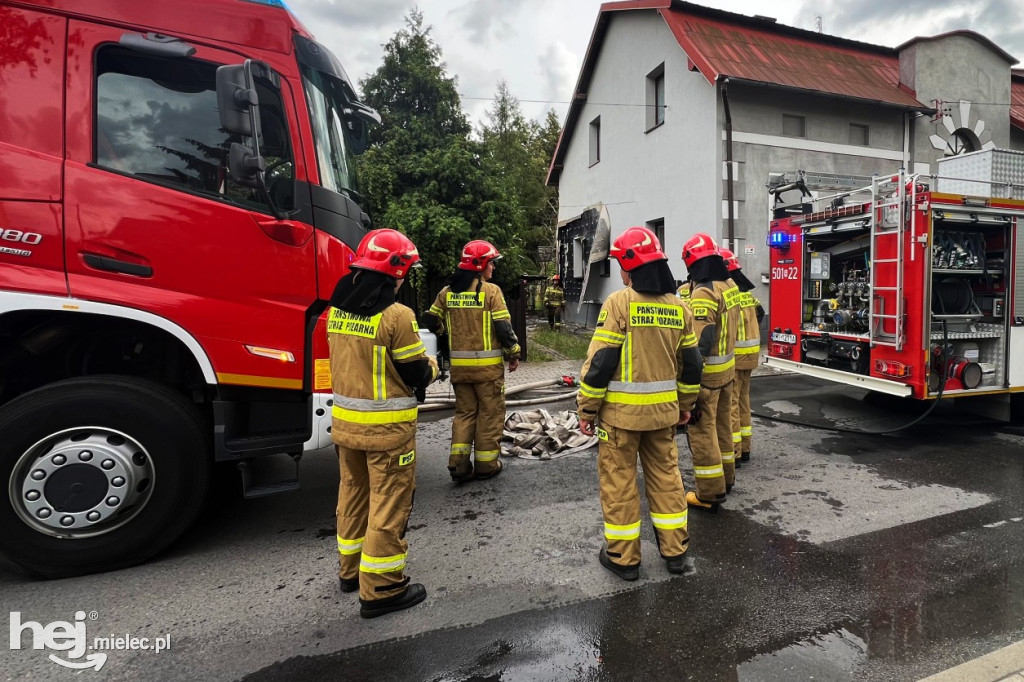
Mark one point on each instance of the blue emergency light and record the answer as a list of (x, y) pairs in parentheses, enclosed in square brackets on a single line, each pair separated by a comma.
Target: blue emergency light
[(780, 240), (272, 3)]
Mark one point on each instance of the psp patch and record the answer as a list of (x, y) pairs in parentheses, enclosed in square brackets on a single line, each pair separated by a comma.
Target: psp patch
[(407, 458), (701, 312)]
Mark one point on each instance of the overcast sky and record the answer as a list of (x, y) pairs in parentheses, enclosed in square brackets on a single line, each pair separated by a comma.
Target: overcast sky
[(538, 45)]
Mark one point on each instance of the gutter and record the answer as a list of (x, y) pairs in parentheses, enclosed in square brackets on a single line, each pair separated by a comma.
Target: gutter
[(728, 167)]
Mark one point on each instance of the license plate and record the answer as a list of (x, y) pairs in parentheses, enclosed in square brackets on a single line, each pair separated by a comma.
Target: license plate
[(783, 338)]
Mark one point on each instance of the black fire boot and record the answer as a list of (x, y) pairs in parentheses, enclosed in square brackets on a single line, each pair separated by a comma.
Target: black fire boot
[(412, 596), (680, 565), (349, 584), (625, 572), (744, 456)]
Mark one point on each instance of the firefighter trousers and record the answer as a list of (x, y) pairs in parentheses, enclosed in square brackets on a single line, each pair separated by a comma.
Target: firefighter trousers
[(374, 501), (616, 467), (711, 442), (742, 429), (479, 420), (554, 316)]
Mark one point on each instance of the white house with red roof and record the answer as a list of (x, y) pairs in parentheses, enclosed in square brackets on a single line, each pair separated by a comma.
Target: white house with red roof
[(683, 115)]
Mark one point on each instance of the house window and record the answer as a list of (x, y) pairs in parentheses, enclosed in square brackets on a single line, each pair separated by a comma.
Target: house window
[(859, 134), (793, 126), (595, 140), (656, 97), (579, 257), (658, 228)]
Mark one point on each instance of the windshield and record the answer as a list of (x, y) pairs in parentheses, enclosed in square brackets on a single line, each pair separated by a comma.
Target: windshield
[(334, 148)]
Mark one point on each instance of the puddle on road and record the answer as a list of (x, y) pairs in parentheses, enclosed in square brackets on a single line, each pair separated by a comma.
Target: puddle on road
[(783, 407), (830, 656), (555, 651), (989, 605)]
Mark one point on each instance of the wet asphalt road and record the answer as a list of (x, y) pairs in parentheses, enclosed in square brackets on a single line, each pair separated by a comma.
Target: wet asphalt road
[(837, 557)]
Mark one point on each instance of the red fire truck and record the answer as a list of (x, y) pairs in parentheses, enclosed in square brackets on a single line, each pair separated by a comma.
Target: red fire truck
[(905, 290), (178, 198)]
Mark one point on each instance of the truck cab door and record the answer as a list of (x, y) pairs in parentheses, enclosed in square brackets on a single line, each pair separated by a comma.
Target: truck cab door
[(31, 151), (154, 219)]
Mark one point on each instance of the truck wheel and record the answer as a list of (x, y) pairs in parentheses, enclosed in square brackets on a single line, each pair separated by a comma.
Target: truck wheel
[(101, 472)]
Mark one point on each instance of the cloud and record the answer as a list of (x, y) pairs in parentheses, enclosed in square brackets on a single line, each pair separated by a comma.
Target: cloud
[(487, 20), (558, 68), (320, 14), (883, 22)]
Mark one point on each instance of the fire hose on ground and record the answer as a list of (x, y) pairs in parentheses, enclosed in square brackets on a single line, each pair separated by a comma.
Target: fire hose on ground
[(435, 402), (534, 434)]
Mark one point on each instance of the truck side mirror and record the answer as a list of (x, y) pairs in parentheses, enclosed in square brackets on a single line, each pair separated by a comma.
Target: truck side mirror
[(358, 116), (246, 167), (236, 97), (238, 105)]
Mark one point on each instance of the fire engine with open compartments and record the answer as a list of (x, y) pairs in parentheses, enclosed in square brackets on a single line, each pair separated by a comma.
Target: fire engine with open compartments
[(910, 286)]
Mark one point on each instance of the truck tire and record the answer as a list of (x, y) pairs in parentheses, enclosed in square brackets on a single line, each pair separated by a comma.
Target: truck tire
[(100, 472)]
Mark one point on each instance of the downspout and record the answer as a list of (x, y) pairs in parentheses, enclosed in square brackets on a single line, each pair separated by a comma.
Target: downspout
[(728, 166), (906, 141)]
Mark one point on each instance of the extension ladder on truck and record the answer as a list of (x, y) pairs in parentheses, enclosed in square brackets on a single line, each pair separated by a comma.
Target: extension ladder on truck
[(888, 197)]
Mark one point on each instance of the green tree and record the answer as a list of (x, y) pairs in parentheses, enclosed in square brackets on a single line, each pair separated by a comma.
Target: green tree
[(516, 157), (422, 172)]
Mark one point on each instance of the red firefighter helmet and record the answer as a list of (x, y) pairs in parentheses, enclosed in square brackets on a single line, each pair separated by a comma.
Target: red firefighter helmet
[(699, 246), (556, 279), (635, 247), (386, 251), (731, 261), (477, 254)]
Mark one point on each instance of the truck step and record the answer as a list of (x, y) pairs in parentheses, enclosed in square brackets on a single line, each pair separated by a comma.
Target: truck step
[(270, 474)]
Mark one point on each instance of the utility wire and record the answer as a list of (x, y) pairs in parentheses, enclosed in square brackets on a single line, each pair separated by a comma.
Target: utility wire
[(550, 101)]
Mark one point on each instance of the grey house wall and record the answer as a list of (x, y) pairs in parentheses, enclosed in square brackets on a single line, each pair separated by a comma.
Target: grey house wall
[(665, 173), (1016, 138), (951, 69)]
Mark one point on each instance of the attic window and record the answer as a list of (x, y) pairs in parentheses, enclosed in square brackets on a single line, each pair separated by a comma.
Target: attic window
[(793, 126), (656, 97), (595, 140)]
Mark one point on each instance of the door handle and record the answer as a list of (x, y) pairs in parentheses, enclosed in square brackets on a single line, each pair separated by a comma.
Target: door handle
[(113, 265)]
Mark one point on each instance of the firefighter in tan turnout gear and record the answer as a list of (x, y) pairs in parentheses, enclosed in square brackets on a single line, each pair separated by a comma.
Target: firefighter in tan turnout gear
[(748, 349), (715, 305), (640, 380), (554, 301), (480, 335), (378, 362)]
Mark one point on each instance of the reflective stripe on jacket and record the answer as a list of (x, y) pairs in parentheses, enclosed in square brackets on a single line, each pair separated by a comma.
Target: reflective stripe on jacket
[(373, 407), (717, 304), (477, 322), (748, 337), (635, 376)]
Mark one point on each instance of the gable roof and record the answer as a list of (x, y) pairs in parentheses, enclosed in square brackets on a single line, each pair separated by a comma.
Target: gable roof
[(722, 44), (761, 51), (1017, 98)]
